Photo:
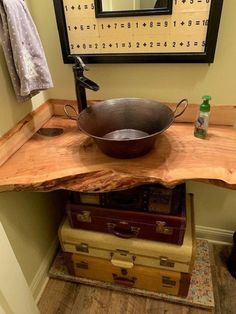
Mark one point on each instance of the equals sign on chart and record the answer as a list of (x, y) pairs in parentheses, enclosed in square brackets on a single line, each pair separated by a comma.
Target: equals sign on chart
[(88, 26), (195, 43), (158, 23), (158, 44), (199, 0), (122, 25), (197, 22)]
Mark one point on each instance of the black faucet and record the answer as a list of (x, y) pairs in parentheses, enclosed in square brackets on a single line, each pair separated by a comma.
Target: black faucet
[(81, 83)]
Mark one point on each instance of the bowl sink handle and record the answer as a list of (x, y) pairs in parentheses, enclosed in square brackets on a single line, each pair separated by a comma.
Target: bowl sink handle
[(182, 111), (68, 114)]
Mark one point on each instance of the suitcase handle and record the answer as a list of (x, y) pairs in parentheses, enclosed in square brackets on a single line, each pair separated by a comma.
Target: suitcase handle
[(132, 232), (125, 261), (128, 282)]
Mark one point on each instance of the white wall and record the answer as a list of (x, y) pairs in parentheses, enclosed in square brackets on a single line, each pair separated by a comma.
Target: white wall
[(214, 206), (15, 295)]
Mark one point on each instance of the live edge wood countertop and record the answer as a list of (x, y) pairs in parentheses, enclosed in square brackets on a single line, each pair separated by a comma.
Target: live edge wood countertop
[(72, 161)]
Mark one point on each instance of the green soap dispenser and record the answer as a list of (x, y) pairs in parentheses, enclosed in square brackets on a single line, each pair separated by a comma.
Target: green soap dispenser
[(201, 123)]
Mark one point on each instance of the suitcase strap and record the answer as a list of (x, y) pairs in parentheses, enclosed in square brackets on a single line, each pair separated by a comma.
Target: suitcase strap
[(128, 282)]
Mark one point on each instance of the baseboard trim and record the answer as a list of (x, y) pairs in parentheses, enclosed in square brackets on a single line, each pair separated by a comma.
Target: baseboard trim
[(41, 278), (214, 235)]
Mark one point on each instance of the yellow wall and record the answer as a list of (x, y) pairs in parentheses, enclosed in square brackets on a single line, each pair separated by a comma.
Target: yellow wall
[(29, 218), (11, 111), (30, 221), (165, 82)]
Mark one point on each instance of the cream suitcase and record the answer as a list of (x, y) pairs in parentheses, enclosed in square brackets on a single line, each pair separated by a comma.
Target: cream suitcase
[(179, 258)]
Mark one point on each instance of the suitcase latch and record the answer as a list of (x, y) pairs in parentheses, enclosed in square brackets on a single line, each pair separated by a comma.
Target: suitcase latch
[(82, 247), (82, 264), (84, 216), (164, 261), (161, 227), (167, 281)]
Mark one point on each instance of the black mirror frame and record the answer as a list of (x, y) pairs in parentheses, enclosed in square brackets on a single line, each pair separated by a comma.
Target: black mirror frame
[(204, 57), (164, 10)]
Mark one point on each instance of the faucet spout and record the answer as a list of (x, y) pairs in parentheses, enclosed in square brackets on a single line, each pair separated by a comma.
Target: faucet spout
[(87, 83), (81, 83)]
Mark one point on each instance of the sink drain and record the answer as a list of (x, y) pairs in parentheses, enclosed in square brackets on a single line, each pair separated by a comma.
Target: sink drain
[(125, 134), (50, 131)]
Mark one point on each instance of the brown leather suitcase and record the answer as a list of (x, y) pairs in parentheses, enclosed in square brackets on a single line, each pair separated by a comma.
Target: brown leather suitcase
[(120, 272), (130, 224), (148, 198)]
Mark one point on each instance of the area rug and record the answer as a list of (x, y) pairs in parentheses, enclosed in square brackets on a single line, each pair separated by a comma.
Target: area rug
[(200, 292)]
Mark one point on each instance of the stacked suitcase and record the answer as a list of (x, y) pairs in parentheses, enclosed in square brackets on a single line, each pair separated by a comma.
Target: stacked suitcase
[(141, 238)]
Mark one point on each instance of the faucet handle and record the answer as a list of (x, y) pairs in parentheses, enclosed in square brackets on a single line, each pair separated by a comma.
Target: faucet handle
[(79, 62)]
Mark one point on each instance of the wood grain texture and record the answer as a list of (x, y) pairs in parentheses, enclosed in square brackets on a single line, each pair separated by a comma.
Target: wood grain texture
[(225, 281), (70, 298), (19, 135), (73, 161)]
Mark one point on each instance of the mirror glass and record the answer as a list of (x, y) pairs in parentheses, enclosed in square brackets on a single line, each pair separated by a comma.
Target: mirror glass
[(132, 7)]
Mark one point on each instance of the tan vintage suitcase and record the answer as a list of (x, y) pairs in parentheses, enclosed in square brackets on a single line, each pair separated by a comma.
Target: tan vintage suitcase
[(118, 272), (135, 251)]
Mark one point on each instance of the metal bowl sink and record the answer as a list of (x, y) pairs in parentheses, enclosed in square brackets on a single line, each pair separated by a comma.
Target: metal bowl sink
[(127, 127)]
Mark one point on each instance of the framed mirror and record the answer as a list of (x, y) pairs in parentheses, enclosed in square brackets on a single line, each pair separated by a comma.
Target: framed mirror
[(113, 8), (127, 34)]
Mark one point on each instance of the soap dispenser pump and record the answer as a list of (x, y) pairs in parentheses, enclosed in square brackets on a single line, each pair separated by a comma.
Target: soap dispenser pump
[(201, 123)]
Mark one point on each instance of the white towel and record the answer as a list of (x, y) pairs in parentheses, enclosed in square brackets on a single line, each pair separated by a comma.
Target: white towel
[(23, 50)]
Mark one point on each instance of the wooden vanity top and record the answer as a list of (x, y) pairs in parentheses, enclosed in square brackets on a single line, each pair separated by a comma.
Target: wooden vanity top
[(73, 161)]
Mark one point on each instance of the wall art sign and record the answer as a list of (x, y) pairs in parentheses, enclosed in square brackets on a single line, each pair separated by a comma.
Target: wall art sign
[(186, 32)]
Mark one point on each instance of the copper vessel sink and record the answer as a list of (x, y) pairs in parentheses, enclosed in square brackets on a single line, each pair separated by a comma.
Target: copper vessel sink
[(126, 127)]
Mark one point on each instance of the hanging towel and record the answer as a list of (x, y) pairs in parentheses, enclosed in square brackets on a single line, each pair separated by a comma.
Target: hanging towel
[(23, 50)]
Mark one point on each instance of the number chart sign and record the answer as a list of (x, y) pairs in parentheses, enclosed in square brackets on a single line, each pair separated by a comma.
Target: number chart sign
[(188, 34)]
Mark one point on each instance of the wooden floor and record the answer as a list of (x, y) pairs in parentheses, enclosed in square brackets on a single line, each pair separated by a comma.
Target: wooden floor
[(61, 297)]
